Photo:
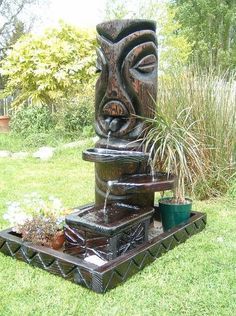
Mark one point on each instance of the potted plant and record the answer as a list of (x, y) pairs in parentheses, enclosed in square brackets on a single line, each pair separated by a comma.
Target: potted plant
[(174, 148), (4, 117), (37, 220)]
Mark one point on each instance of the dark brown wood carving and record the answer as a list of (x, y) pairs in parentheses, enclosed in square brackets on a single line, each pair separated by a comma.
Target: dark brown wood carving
[(120, 233), (127, 85)]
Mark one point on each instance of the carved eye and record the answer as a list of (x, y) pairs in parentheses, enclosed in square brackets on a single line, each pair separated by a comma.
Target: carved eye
[(147, 64)]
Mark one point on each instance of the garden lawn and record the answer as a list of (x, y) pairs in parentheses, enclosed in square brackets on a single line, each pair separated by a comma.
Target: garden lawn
[(196, 278)]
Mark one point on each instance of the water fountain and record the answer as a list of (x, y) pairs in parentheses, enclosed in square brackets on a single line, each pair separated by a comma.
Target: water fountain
[(115, 237)]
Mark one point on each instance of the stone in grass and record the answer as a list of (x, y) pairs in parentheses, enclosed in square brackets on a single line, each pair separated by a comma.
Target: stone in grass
[(95, 260), (44, 153), (5, 153), (20, 155)]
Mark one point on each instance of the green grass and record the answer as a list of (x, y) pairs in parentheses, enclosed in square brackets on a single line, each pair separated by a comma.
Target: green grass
[(196, 278), (15, 142)]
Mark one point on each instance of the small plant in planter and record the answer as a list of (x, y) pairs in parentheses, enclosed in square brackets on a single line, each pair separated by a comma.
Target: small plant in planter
[(37, 220), (175, 149)]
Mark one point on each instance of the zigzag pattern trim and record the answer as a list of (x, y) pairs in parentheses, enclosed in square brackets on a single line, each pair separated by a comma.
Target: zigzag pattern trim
[(148, 255), (54, 266)]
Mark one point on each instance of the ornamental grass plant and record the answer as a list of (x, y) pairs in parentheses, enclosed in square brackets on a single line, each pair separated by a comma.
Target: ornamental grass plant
[(203, 103), (175, 148)]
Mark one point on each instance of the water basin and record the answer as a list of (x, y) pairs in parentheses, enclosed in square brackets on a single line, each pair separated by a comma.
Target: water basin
[(111, 155), (142, 183), (116, 217)]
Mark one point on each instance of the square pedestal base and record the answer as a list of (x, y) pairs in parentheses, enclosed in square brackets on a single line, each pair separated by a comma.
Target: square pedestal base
[(91, 232), (109, 275)]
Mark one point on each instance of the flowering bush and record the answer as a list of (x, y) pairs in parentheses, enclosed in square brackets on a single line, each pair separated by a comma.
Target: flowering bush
[(37, 220)]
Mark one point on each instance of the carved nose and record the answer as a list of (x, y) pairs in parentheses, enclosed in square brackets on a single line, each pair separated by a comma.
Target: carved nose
[(115, 108)]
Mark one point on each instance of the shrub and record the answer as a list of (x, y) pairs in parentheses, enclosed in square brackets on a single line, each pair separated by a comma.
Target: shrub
[(70, 119), (210, 99), (29, 120), (74, 115), (49, 67)]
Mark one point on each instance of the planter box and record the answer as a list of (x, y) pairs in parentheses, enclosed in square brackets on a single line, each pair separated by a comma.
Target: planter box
[(109, 275)]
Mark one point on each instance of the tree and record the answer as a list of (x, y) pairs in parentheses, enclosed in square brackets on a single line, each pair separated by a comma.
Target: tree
[(10, 12), (48, 67), (210, 26), (11, 27), (115, 9)]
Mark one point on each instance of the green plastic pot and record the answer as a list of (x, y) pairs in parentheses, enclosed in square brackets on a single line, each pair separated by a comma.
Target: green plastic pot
[(173, 214)]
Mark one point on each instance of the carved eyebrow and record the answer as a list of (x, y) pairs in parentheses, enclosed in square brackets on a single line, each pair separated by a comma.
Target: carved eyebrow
[(126, 45), (139, 37), (142, 38), (119, 29)]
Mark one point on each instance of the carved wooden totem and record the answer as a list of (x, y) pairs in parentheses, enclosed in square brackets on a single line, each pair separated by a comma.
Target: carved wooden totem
[(127, 86)]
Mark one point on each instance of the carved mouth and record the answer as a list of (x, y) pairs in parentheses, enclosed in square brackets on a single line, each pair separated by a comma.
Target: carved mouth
[(115, 115)]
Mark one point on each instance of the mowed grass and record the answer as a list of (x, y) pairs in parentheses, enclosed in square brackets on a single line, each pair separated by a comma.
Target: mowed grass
[(196, 278)]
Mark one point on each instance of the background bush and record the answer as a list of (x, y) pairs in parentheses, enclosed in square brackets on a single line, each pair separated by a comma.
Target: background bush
[(69, 119), (75, 115), (46, 68), (31, 120), (210, 99)]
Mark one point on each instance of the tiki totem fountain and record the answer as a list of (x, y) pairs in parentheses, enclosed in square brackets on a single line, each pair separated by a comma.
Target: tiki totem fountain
[(120, 228), (124, 196)]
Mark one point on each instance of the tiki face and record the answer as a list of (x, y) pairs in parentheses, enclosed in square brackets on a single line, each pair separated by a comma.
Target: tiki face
[(126, 88)]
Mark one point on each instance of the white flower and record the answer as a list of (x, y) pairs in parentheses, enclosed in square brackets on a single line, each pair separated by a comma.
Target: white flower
[(16, 216), (33, 205)]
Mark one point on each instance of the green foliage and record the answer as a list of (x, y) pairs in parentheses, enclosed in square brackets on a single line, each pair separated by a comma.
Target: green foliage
[(19, 29), (175, 48), (210, 26), (73, 115), (175, 148), (232, 187), (11, 28), (115, 9), (31, 120), (45, 68), (212, 119), (40, 126)]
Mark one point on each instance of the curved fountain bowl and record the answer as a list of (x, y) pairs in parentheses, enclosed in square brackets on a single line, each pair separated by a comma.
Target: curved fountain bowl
[(142, 183), (110, 155)]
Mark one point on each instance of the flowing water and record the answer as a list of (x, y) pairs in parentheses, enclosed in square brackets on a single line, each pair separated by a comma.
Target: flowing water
[(108, 139), (105, 202), (151, 164)]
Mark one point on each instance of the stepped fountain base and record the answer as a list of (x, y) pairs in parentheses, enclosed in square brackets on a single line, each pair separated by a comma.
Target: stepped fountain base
[(108, 275), (106, 234)]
